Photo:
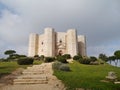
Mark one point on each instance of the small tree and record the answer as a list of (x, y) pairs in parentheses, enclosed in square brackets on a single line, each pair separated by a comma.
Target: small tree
[(111, 58), (103, 57), (10, 53), (117, 55)]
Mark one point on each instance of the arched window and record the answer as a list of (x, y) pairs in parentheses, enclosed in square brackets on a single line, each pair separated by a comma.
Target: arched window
[(60, 41)]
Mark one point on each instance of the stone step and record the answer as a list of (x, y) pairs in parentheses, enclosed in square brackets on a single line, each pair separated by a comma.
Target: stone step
[(39, 66), (30, 81), (35, 68), (32, 77), (32, 72)]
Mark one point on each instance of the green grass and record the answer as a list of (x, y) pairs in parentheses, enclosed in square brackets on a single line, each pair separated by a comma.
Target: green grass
[(8, 67), (88, 77)]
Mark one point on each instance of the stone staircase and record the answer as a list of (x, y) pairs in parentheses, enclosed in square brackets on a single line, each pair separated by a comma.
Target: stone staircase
[(33, 75), (37, 77)]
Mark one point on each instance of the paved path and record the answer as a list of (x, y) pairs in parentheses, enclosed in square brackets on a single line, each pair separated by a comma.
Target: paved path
[(37, 77)]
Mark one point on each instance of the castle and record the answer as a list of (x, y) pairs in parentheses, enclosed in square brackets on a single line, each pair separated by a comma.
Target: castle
[(53, 43)]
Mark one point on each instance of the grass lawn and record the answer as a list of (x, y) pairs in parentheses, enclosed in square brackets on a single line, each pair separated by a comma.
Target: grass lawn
[(8, 67), (88, 77)]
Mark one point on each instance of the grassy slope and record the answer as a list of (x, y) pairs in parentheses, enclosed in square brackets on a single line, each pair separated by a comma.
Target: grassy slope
[(8, 67), (88, 76)]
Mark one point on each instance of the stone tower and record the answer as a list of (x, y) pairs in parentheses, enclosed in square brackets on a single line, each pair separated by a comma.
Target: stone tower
[(53, 43), (72, 44), (33, 45), (82, 45), (49, 42)]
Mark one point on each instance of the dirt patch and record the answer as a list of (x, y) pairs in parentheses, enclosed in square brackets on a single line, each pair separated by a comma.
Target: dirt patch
[(8, 79)]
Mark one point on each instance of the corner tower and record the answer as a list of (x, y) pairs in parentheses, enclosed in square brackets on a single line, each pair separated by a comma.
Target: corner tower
[(33, 45), (72, 42), (49, 42), (82, 45)]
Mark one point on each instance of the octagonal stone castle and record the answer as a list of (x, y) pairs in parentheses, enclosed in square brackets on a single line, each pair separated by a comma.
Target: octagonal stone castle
[(53, 43)]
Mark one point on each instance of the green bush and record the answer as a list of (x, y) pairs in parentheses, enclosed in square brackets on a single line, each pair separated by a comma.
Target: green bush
[(36, 57), (60, 66), (94, 63), (49, 59), (93, 59), (67, 56), (4, 60), (77, 57), (42, 57), (25, 61), (56, 65), (62, 59), (85, 61), (64, 67)]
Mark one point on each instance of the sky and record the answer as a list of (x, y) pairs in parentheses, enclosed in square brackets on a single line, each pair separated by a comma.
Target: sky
[(98, 20)]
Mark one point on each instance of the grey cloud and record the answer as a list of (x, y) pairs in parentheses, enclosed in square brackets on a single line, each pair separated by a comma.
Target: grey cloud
[(99, 20)]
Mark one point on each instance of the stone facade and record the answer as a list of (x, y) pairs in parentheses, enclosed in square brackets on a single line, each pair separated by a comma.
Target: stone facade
[(53, 43)]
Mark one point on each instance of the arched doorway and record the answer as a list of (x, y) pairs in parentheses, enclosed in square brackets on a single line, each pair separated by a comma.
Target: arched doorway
[(60, 52)]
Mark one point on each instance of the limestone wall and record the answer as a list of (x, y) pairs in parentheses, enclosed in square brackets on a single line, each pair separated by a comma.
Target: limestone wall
[(33, 45), (41, 45), (49, 42), (72, 44), (52, 43), (60, 42), (82, 45)]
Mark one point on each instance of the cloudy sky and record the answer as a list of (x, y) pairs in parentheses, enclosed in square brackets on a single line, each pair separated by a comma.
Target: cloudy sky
[(98, 20)]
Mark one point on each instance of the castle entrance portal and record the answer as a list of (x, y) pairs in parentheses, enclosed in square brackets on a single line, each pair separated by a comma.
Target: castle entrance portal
[(60, 52)]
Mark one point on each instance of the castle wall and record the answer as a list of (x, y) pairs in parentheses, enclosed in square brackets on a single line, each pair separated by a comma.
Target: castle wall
[(72, 44), (82, 45), (33, 45), (57, 43), (49, 42), (41, 45), (60, 42)]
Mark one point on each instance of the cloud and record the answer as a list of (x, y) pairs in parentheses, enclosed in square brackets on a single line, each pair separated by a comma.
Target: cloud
[(99, 20)]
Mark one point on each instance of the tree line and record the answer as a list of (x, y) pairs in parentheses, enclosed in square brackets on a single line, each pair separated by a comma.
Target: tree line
[(12, 55)]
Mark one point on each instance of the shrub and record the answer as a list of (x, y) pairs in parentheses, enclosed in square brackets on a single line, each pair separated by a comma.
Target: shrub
[(62, 59), (49, 59), (67, 56), (64, 67), (56, 65), (22, 56), (4, 60), (85, 61), (36, 57), (25, 61), (93, 59), (42, 57), (77, 57), (94, 63)]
